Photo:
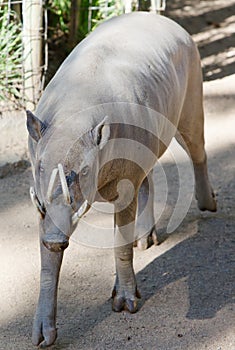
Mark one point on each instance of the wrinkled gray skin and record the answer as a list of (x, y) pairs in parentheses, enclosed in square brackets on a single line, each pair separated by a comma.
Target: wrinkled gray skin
[(138, 58)]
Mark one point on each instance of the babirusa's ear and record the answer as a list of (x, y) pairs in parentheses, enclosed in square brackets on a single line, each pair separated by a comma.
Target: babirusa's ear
[(35, 126), (101, 133)]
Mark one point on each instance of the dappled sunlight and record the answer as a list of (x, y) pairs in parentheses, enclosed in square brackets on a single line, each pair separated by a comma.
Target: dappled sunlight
[(14, 191), (219, 43), (212, 34), (19, 278), (19, 258), (143, 258), (212, 26), (215, 140)]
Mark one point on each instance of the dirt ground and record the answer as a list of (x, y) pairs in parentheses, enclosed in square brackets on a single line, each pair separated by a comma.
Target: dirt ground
[(187, 282)]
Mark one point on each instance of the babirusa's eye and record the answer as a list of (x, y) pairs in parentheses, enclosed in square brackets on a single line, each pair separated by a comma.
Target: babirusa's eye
[(85, 171)]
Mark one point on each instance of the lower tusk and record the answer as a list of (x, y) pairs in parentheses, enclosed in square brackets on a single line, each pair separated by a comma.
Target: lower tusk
[(64, 184), (35, 201), (33, 196), (76, 216)]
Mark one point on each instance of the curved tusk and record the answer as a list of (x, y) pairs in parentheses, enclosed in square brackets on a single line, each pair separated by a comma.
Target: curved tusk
[(35, 201), (64, 184), (76, 216), (51, 184), (33, 197)]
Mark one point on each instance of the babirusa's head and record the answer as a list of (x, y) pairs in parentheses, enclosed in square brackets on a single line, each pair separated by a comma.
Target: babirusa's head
[(65, 171)]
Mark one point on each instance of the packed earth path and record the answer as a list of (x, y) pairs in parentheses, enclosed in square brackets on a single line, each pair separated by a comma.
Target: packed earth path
[(187, 282)]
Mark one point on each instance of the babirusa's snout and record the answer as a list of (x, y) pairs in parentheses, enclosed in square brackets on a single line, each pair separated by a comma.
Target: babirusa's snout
[(56, 243)]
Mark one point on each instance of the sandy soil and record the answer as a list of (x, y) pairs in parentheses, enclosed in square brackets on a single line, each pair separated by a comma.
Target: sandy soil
[(187, 282)]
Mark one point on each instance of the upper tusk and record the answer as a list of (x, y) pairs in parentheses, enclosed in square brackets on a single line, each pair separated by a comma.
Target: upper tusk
[(51, 184), (76, 216), (64, 183)]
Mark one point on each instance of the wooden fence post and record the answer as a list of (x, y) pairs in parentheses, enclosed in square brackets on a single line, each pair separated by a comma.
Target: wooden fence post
[(32, 42)]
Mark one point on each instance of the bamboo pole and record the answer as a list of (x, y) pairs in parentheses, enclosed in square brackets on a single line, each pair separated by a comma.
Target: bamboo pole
[(32, 41), (74, 21), (127, 6), (158, 6)]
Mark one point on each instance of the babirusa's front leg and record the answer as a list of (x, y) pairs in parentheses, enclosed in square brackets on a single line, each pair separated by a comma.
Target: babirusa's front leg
[(204, 192), (44, 327), (125, 289)]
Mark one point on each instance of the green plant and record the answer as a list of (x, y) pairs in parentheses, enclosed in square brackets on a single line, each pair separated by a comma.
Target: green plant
[(101, 10), (60, 10), (107, 9), (11, 50)]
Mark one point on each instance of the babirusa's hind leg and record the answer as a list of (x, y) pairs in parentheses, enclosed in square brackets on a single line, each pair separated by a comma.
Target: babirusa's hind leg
[(146, 233), (203, 189), (204, 192), (191, 129), (192, 140)]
